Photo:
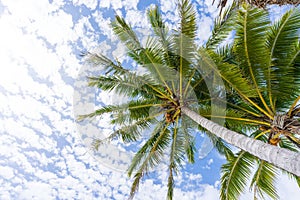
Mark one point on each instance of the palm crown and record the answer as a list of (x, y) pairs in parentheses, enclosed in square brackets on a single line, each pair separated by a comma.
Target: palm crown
[(157, 96)]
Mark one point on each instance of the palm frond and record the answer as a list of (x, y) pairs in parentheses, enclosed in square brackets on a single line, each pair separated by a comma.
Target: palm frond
[(222, 27), (126, 34), (157, 23), (263, 181), (226, 53), (252, 54), (189, 140), (235, 175), (187, 15), (287, 144), (176, 157), (149, 155), (209, 62), (109, 66), (128, 133), (166, 41), (128, 84), (282, 39), (101, 111), (149, 56), (220, 145), (184, 39), (235, 119), (133, 106), (131, 127)]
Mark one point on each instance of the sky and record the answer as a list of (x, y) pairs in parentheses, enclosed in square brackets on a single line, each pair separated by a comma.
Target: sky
[(44, 152)]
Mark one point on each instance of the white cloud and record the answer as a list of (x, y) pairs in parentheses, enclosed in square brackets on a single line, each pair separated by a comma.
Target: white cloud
[(91, 4), (6, 172), (116, 4), (104, 4), (168, 6), (36, 190), (204, 28)]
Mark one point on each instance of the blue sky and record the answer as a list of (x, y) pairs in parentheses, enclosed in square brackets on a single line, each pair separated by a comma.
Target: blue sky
[(43, 153)]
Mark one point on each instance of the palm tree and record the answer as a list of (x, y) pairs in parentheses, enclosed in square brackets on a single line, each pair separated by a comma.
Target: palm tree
[(268, 57), (165, 98)]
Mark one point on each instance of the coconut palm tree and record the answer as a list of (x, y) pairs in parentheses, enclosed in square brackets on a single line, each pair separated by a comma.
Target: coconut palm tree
[(268, 57), (164, 99)]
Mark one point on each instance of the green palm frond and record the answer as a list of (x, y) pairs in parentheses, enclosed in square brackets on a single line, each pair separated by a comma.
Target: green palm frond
[(286, 29), (126, 35), (137, 110), (171, 183), (184, 40), (164, 38), (285, 143), (220, 145), (149, 56), (209, 62), (99, 60), (128, 133), (189, 140), (149, 155), (252, 25), (263, 181), (187, 15), (153, 61), (176, 157), (282, 39), (131, 123), (236, 120), (157, 23), (134, 107), (129, 84), (226, 53), (235, 174), (223, 25)]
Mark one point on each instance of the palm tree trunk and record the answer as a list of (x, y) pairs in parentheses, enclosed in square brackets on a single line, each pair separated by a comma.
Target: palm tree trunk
[(280, 157)]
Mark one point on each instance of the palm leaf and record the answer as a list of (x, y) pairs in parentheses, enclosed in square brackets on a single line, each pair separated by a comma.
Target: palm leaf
[(184, 39), (129, 84), (250, 47), (209, 62), (282, 37), (223, 25), (134, 107), (263, 181), (164, 39), (176, 157), (109, 66), (189, 140), (235, 175), (149, 155), (126, 34), (149, 56)]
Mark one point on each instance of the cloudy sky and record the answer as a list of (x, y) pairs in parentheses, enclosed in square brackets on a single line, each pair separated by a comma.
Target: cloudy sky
[(43, 151)]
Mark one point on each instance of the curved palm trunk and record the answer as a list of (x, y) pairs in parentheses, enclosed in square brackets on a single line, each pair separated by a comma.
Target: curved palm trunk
[(280, 157)]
